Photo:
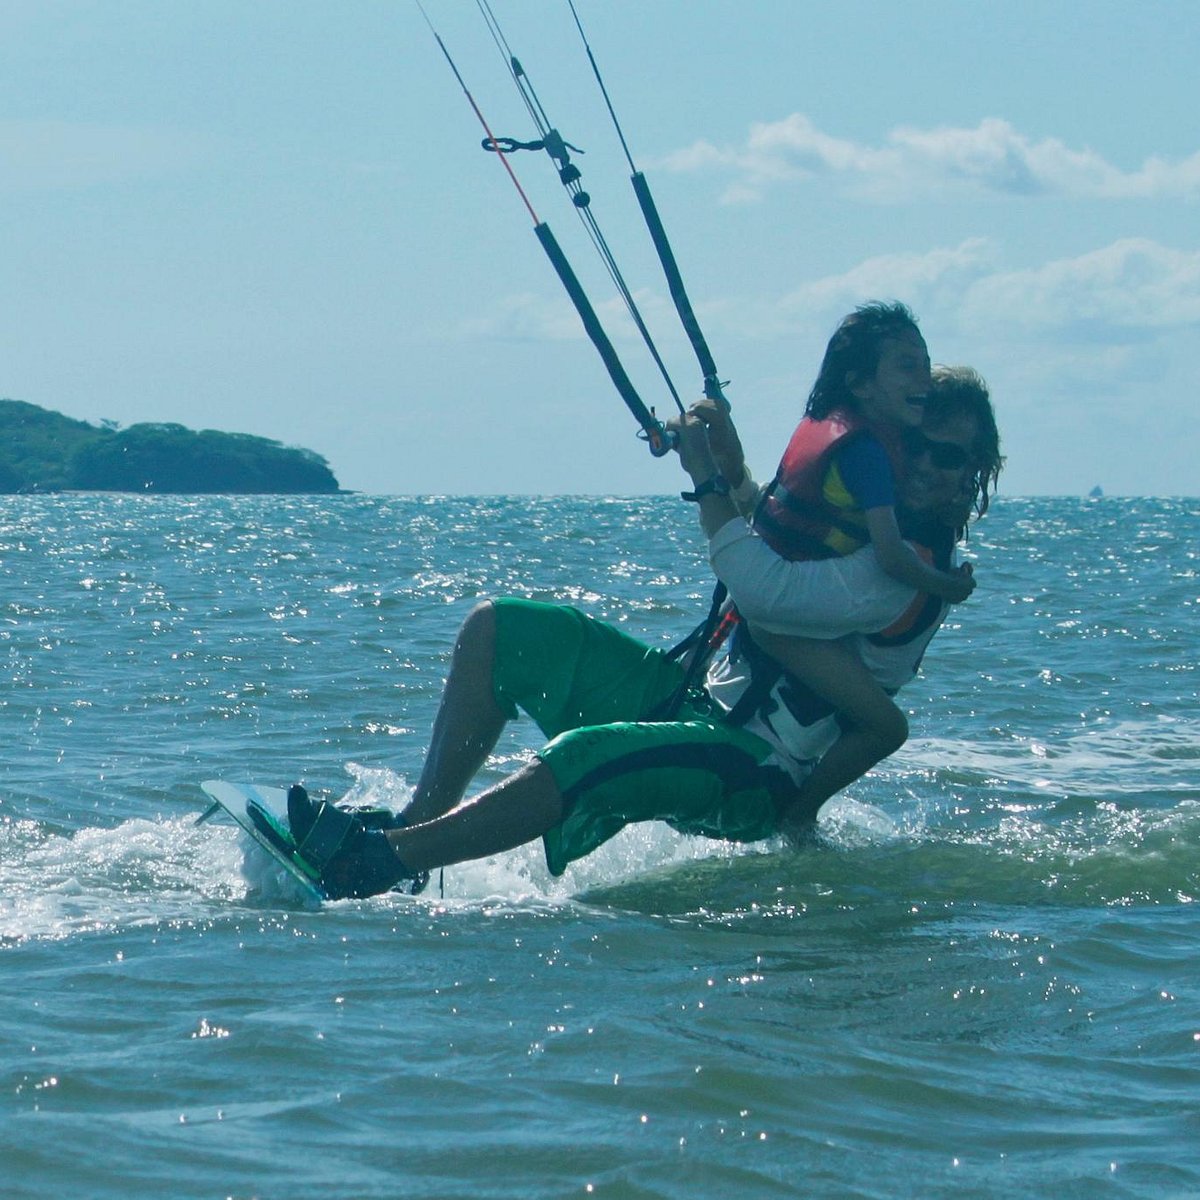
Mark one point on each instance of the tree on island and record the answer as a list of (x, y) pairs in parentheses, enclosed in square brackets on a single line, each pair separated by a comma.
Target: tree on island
[(170, 458), (43, 451), (37, 447)]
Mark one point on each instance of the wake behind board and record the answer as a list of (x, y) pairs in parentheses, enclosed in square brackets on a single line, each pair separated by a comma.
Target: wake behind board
[(245, 802)]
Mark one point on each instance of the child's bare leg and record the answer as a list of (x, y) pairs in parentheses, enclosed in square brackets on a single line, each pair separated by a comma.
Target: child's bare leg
[(848, 759), (877, 727), (468, 723)]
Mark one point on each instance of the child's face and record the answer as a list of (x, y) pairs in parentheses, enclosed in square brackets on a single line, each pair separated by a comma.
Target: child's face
[(895, 394)]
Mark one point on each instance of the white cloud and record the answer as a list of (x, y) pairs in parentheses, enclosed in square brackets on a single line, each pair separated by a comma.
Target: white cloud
[(1126, 291), (935, 280), (1120, 291), (1103, 321), (38, 155), (991, 158), (919, 279), (524, 316), (552, 316)]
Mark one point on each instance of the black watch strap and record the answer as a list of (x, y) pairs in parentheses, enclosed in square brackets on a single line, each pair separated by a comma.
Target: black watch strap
[(718, 485)]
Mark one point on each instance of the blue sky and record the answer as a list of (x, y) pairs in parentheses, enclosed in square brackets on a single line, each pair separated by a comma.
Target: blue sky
[(276, 218)]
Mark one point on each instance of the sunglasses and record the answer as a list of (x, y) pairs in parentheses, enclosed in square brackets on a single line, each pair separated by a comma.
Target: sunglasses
[(945, 456)]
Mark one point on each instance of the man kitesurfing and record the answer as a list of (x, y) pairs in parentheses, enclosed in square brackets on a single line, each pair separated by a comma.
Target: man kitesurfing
[(726, 739), (597, 693)]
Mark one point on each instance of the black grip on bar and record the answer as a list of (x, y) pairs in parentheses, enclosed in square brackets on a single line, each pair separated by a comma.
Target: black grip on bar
[(655, 434), (675, 282)]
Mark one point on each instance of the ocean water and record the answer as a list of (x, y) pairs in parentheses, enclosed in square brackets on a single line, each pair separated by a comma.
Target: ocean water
[(982, 980)]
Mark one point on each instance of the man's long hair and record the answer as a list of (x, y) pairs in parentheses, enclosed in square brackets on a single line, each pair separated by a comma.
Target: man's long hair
[(961, 391)]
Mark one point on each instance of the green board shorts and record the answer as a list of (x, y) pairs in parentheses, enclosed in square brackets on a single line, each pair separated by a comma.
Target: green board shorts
[(590, 688)]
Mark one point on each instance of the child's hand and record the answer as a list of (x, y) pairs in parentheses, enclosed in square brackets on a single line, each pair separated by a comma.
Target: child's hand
[(961, 583)]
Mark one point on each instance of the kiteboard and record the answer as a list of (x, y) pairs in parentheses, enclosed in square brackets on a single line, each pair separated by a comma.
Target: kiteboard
[(262, 812)]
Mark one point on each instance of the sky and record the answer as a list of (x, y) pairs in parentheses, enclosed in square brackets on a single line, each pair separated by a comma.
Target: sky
[(276, 218)]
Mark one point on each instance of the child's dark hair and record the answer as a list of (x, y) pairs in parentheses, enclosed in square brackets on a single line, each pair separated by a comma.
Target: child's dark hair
[(853, 353), (959, 392)]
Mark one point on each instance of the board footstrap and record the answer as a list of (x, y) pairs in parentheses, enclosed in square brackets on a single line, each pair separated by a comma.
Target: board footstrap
[(328, 833)]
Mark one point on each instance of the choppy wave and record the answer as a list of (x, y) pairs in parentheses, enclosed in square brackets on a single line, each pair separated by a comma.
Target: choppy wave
[(1079, 851)]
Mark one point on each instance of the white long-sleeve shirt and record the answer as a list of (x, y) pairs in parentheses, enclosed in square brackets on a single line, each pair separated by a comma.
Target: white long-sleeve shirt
[(784, 597)]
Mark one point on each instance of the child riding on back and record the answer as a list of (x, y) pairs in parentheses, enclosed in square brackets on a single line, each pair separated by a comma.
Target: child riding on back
[(835, 490), (831, 514)]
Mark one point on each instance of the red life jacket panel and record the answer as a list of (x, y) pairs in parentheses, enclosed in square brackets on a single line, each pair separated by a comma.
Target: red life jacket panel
[(807, 511)]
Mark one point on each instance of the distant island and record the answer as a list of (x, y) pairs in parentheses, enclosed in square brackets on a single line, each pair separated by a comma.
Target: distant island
[(44, 451)]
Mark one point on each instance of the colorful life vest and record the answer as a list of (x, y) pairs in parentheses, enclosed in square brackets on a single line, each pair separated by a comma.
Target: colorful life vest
[(807, 512)]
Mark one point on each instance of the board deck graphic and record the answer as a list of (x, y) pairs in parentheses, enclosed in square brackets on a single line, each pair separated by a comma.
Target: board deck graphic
[(269, 805)]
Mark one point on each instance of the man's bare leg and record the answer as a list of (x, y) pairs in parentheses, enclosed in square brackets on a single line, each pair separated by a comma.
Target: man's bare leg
[(518, 809), (468, 723), (366, 862)]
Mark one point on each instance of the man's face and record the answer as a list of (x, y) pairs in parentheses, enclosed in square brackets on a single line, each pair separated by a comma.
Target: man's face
[(929, 487)]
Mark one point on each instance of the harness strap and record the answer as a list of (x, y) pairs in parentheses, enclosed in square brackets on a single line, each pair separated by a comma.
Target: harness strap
[(701, 643), (765, 673)]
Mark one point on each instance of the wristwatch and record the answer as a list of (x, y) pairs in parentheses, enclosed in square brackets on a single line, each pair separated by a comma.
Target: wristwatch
[(718, 485)]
